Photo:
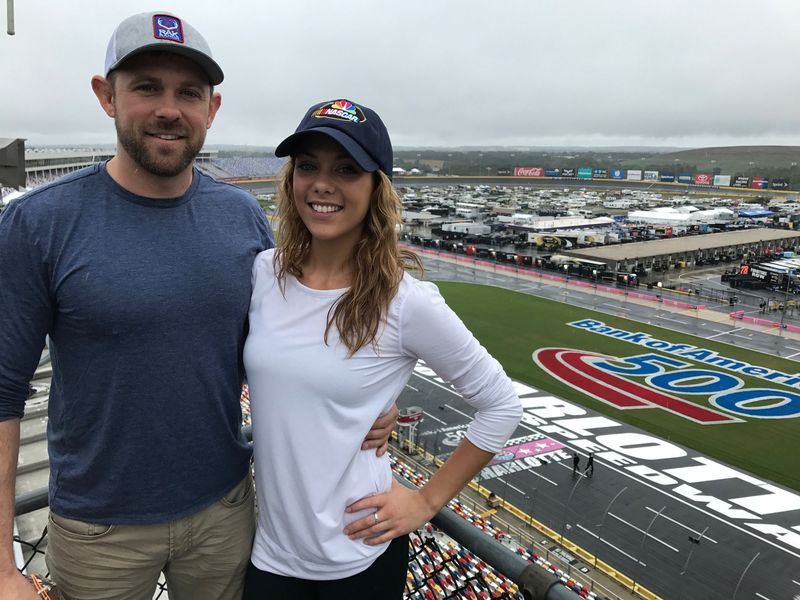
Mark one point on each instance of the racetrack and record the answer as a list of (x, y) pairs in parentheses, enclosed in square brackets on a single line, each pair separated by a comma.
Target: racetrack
[(647, 496)]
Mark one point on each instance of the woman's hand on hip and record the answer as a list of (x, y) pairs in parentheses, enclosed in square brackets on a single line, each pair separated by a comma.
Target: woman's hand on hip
[(396, 512)]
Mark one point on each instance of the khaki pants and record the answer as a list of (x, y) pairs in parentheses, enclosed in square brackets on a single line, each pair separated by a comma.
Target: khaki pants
[(203, 556)]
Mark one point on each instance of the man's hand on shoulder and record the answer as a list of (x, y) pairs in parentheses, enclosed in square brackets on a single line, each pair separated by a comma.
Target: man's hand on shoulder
[(378, 436)]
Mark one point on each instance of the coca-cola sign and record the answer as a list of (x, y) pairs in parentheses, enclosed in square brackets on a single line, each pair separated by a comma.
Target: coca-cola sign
[(528, 172)]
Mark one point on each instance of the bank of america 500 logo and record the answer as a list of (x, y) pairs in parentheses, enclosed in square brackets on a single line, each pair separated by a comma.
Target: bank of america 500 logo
[(613, 381)]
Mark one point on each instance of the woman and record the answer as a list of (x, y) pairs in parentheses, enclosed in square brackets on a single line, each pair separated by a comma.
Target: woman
[(336, 327)]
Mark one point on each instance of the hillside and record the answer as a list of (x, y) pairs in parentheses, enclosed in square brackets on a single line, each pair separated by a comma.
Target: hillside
[(734, 159)]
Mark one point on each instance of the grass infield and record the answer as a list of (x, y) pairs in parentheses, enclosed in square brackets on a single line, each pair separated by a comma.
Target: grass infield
[(512, 325)]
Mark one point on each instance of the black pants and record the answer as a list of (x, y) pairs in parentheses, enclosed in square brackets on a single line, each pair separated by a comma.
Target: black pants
[(384, 579)]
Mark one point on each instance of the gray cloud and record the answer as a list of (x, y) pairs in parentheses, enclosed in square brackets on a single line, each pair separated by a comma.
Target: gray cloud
[(447, 72)]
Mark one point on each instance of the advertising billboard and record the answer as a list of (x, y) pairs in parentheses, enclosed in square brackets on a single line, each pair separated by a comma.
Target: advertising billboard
[(504, 172), (634, 175), (530, 172), (722, 179), (617, 173), (780, 184), (667, 177), (600, 174), (759, 183), (584, 173), (650, 176), (741, 181), (552, 172), (702, 179), (568, 172), (685, 178)]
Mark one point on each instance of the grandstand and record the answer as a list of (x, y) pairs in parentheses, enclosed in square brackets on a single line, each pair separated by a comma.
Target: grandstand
[(4, 191), (250, 167), (43, 165)]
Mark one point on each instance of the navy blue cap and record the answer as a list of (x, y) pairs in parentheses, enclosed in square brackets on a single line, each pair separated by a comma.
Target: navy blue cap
[(358, 129)]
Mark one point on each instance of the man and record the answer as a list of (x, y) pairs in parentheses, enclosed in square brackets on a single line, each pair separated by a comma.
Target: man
[(139, 272), (576, 462), (589, 466)]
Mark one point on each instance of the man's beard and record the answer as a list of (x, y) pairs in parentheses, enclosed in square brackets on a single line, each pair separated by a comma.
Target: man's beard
[(163, 165)]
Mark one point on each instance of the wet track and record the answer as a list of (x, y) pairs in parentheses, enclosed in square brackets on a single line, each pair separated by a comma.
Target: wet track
[(638, 519)]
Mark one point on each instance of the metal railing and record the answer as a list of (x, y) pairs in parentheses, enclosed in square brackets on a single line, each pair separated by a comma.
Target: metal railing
[(533, 582)]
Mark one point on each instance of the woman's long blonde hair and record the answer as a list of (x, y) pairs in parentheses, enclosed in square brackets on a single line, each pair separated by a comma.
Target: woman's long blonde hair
[(378, 261)]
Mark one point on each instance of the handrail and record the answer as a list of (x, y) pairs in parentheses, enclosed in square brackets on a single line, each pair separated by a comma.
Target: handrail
[(534, 582)]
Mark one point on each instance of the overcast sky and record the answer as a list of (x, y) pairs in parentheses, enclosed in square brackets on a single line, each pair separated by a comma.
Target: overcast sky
[(440, 72)]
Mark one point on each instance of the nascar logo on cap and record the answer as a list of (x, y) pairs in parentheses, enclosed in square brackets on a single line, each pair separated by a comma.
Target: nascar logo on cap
[(341, 110), (167, 27)]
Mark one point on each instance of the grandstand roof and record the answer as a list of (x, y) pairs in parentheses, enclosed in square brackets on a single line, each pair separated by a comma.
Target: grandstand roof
[(683, 244), (46, 153), (50, 154)]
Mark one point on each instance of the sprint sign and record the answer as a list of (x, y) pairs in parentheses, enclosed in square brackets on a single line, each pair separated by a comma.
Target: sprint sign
[(652, 380)]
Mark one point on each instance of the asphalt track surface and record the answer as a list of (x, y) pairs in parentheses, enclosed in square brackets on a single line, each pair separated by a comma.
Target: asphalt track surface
[(639, 524)]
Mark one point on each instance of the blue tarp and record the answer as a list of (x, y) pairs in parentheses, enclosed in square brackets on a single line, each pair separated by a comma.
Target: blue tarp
[(755, 213)]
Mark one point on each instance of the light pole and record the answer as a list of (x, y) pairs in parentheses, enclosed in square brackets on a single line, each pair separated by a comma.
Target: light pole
[(10, 17), (594, 278), (695, 542), (743, 573), (530, 500), (435, 446), (603, 520), (566, 276), (566, 508), (659, 285), (785, 304), (699, 296), (647, 531)]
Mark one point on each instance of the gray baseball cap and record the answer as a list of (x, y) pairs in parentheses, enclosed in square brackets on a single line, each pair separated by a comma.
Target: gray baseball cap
[(160, 32)]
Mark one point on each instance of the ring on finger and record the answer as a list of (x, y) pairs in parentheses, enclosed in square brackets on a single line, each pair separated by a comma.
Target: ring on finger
[(375, 516)]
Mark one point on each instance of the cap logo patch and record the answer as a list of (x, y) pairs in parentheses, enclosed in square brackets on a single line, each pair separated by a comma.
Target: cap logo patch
[(341, 110), (166, 27)]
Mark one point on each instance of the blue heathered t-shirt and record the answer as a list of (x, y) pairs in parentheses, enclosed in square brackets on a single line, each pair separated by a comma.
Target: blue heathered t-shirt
[(145, 302)]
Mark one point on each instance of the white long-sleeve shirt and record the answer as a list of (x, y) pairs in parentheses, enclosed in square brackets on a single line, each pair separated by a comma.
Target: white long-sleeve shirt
[(312, 406)]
